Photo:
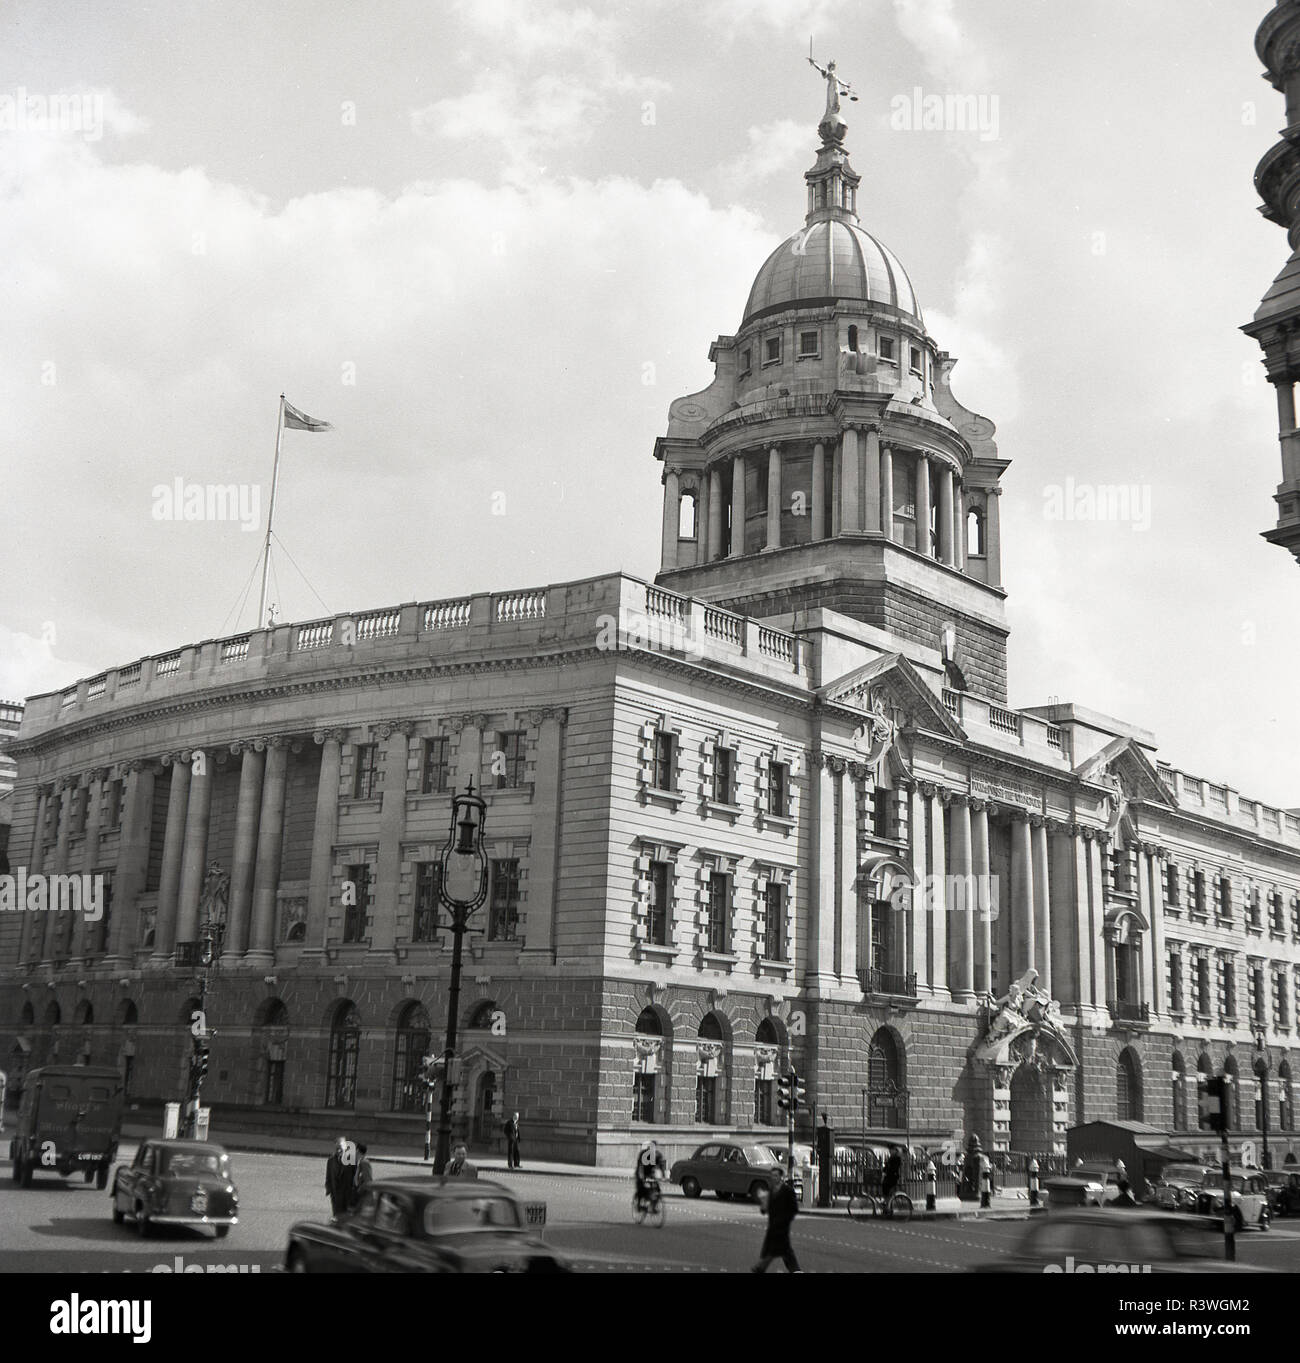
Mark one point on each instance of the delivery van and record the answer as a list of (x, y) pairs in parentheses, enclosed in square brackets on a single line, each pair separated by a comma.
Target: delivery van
[(69, 1119)]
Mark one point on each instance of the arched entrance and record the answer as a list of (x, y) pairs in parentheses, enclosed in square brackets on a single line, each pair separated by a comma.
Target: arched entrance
[(1031, 1110), (1128, 1087), (485, 1107)]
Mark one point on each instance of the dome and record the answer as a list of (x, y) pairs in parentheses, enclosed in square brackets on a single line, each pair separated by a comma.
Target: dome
[(831, 259)]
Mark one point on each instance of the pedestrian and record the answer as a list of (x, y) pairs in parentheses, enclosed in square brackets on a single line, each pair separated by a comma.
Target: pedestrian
[(364, 1175), (340, 1173), (782, 1208), (511, 1132), (1125, 1198), (458, 1166)]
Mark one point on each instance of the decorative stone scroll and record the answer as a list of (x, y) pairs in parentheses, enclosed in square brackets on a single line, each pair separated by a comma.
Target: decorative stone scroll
[(649, 1050), (708, 1054)]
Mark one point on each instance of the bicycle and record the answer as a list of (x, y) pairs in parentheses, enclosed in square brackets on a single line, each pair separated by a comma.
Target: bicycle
[(864, 1205), (648, 1205)]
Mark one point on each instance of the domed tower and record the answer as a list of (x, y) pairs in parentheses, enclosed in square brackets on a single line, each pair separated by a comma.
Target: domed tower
[(1276, 324), (828, 464)]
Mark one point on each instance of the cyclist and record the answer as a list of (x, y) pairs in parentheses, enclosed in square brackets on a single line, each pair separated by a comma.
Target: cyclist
[(650, 1165), (892, 1177)]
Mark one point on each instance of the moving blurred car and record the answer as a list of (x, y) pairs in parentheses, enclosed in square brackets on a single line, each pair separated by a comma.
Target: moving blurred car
[(1249, 1197), (176, 1183), (1178, 1185), (730, 1169), (1283, 1191), (1088, 1240), (427, 1226)]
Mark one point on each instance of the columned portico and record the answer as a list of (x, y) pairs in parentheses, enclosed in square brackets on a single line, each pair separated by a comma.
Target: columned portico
[(924, 542), (946, 554), (195, 848), (266, 878), (965, 908), (871, 480), (987, 902), (324, 831), (737, 506), (1023, 948), (133, 858), (169, 880), (244, 861)]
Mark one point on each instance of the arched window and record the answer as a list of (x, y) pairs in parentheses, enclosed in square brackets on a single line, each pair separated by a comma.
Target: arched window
[(975, 533), (272, 1020), (886, 1082), (27, 1018), (1180, 1092), (853, 339), (686, 516), (1128, 1087), (708, 1068), (272, 1013), (1262, 1094), (53, 1014), (414, 1041), (648, 1099), (1285, 1101), (127, 1014), (1232, 1094), (84, 1014), (1204, 1072), (767, 1062), (481, 1018), (344, 1053)]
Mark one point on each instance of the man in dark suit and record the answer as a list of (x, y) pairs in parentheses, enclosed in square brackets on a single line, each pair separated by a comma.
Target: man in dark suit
[(340, 1175), (510, 1128), (782, 1208)]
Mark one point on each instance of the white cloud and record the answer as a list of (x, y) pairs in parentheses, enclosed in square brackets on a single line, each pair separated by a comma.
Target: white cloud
[(774, 147), (932, 27)]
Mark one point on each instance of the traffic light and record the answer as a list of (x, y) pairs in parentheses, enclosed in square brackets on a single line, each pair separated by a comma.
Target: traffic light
[(199, 1063), (800, 1093), (784, 1095), (1211, 1106)]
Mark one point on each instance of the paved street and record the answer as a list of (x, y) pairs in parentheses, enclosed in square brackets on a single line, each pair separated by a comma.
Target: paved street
[(61, 1227)]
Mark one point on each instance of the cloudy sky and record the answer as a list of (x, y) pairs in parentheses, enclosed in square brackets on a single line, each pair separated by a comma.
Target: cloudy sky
[(492, 241)]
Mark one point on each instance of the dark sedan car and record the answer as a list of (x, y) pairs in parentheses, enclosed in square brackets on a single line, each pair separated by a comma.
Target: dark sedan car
[(176, 1183), (423, 1226), (1283, 1191), (729, 1168)]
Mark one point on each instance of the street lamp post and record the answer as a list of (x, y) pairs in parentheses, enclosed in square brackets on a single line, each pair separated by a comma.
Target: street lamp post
[(463, 890), (212, 932)]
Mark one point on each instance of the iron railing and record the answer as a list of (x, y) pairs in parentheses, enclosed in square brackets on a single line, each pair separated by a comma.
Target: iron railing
[(875, 981)]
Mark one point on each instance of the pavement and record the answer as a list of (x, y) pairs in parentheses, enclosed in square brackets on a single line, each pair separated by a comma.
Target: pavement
[(1006, 1205)]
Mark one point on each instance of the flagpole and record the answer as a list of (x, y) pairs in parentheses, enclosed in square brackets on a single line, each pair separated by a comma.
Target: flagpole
[(275, 478)]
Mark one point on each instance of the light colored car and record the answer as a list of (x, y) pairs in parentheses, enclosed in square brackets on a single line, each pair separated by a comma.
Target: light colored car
[(1249, 1197)]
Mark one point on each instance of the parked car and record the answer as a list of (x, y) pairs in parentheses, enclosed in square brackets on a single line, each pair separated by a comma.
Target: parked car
[(1283, 1191), (176, 1183), (69, 1118), (1177, 1187), (1075, 1189), (1105, 1241), (421, 1226), (1249, 1197), (728, 1168)]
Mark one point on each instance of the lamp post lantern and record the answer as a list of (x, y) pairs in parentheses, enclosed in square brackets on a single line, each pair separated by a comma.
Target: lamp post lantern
[(463, 889)]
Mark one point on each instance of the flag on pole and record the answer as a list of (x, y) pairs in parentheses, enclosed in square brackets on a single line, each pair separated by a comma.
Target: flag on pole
[(294, 420)]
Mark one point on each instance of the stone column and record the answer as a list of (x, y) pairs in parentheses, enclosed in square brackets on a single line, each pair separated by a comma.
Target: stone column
[(871, 481), (1097, 917), (244, 859), (737, 506), (1042, 908), (993, 533), (672, 485), (887, 493), (938, 895), (83, 932), (702, 514), (392, 828), (846, 925), (820, 946), (1022, 898), (543, 851), (1081, 914), (962, 863), (33, 924), (169, 880), (819, 491), (774, 498), (850, 467), (715, 514), (132, 861), (1155, 911), (919, 936), (195, 856), (324, 832), (270, 833), (837, 490), (987, 903), (923, 542), (469, 750), (1285, 406), (56, 928), (945, 515)]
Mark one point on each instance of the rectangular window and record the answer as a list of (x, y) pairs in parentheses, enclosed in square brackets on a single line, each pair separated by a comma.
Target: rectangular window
[(774, 924), (53, 814), (764, 1103), (706, 1099), (660, 891), (1276, 915), (434, 770), (1198, 897), (365, 777), (719, 912), (1257, 996), (643, 1097), (1228, 988), (80, 803), (809, 344), (1225, 900), (356, 902), (275, 1082), (113, 805), (665, 749), (880, 937), (915, 360), (882, 824), (772, 350), (746, 362), (724, 776), (503, 921), (1280, 1010), (778, 789), (885, 348), (511, 748), (1171, 886), (428, 884), (1175, 982), (1202, 986)]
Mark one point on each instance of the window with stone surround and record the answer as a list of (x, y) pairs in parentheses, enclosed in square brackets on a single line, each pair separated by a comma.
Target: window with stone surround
[(1257, 1017), (718, 924), (886, 349), (724, 774), (356, 901), (746, 362), (778, 788), (53, 814), (772, 350), (365, 771), (659, 917), (113, 805), (648, 1097), (665, 753), (1173, 899), (1227, 989), (1198, 899), (1223, 901), (77, 818), (975, 546), (809, 345), (503, 916), (509, 759), (1276, 913), (428, 885), (1180, 1092), (882, 813), (435, 765), (774, 921), (1175, 980), (1281, 1003), (1201, 979), (1295, 917)]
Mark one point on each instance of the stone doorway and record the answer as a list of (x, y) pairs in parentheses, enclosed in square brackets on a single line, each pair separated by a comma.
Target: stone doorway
[(1031, 1110)]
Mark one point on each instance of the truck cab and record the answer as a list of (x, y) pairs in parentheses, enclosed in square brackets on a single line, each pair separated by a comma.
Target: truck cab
[(69, 1119)]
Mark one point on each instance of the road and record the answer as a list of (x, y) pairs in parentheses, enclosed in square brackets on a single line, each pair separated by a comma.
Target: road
[(58, 1226)]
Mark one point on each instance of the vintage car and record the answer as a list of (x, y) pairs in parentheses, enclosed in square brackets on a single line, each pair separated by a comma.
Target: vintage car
[(1249, 1197), (1283, 1191), (1178, 1185), (176, 1183), (427, 1226), (728, 1168), (1091, 1240), (69, 1119), (1075, 1189)]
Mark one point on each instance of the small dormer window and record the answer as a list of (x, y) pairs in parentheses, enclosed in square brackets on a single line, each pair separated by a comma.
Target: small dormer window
[(809, 345), (885, 349), (746, 361), (772, 350), (915, 359)]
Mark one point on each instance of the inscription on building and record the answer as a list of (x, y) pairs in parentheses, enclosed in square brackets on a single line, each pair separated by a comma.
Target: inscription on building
[(1006, 792)]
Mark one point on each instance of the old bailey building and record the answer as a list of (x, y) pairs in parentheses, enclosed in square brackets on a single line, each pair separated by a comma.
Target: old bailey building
[(772, 808)]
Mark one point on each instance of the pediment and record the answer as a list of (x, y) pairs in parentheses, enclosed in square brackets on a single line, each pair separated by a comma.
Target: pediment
[(1123, 764), (894, 680)]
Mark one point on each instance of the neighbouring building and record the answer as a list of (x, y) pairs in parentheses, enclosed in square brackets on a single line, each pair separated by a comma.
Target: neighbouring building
[(771, 809)]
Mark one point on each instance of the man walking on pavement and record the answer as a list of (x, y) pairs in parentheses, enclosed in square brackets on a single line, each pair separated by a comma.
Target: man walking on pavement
[(782, 1208), (340, 1175), (511, 1131)]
